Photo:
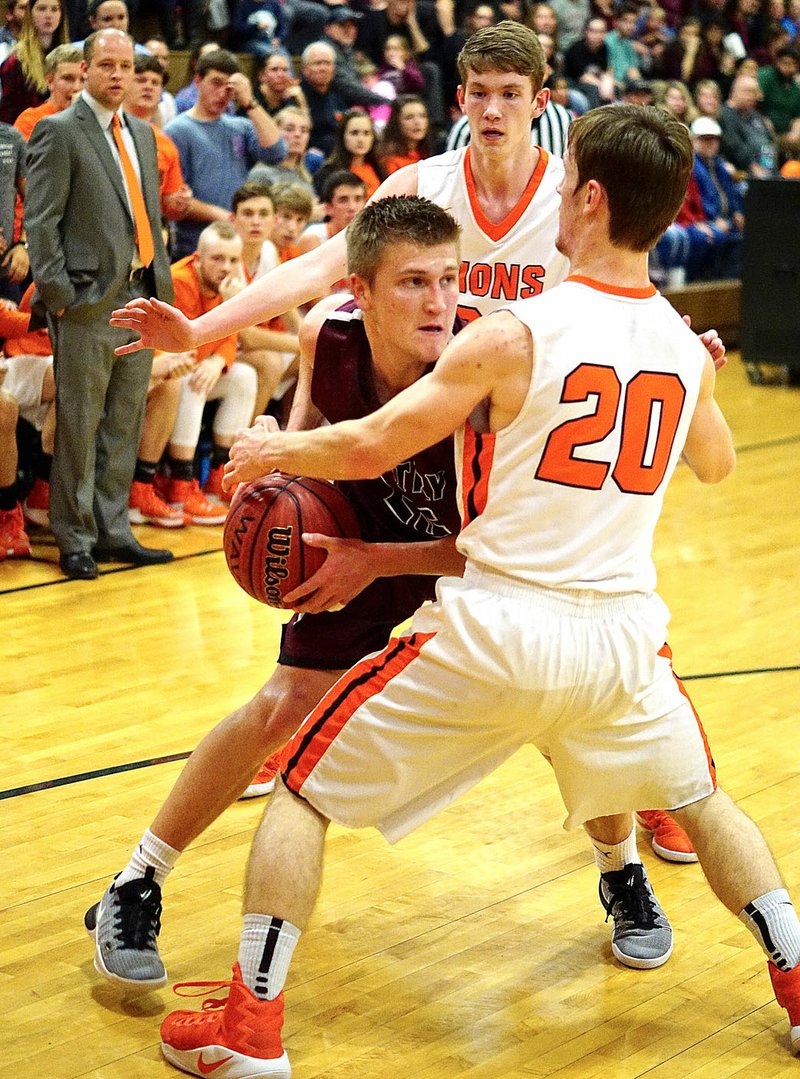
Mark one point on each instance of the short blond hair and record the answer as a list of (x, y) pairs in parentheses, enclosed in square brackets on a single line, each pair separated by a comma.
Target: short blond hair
[(508, 46)]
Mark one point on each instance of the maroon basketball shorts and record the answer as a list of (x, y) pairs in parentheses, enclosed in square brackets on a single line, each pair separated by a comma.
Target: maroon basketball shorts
[(336, 640)]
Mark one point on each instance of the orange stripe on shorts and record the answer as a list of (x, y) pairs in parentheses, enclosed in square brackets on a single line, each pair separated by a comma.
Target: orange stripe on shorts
[(666, 652), (476, 467), (365, 680)]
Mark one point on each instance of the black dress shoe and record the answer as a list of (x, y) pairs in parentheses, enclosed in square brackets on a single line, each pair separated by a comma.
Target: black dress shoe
[(80, 566), (133, 553)]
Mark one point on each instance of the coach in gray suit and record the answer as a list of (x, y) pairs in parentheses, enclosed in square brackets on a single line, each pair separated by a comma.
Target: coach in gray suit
[(90, 253)]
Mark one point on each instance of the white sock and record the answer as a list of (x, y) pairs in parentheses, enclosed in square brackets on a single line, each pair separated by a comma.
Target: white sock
[(773, 921), (153, 852), (265, 951), (609, 857)]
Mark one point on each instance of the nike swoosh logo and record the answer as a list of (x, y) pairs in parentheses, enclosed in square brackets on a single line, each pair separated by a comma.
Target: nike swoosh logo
[(207, 1069)]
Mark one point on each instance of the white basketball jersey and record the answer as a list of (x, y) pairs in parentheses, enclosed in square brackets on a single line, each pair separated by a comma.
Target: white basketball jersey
[(513, 260), (568, 495)]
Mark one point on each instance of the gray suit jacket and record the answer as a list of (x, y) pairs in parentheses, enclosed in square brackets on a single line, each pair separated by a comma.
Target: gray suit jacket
[(80, 230)]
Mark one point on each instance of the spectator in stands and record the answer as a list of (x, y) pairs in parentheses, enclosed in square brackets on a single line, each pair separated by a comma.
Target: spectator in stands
[(300, 164), (293, 208), (781, 95), (186, 97), (748, 24), (652, 37), (259, 26), (341, 29), (277, 87), (420, 26), (23, 84), (354, 151), (27, 390), (202, 281), (708, 98), (399, 69), (9, 34), (325, 105), (572, 16), (167, 107), (747, 141), (637, 92), (406, 138), (110, 15), (143, 100), (622, 55), (676, 100), (722, 206), (587, 64), (62, 67), (270, 349), (343, 195), (218, 150)]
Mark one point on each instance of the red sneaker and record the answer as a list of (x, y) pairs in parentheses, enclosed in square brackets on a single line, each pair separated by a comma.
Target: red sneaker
[(146, 508), (14, 542), (237, 1038), (36, 506), (187, 496), (264, 782), (786, 985), (213, 487), (669, 841)]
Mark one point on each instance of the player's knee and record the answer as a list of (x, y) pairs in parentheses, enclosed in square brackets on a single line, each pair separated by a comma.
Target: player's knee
[(9, 411)]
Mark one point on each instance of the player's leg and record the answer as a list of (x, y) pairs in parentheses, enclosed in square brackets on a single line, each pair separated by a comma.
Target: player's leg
[(743, 875), (126, 921), (269, 368), (145, 505), (642, 936), (14, 542), (238, 389), (283, 880)]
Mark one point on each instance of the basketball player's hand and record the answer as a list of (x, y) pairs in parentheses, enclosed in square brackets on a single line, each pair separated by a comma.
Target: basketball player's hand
[(347, 570), (245, 462), (713, 344), (159, 325)]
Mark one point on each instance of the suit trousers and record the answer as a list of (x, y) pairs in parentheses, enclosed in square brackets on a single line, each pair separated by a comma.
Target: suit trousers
[(100, 403)]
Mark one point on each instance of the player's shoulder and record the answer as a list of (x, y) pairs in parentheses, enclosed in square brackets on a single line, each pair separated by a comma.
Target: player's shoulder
[(334, 313)]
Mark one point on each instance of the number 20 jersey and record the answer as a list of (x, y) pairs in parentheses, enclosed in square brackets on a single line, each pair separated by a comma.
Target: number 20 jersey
[(568, 495), (500, 263)]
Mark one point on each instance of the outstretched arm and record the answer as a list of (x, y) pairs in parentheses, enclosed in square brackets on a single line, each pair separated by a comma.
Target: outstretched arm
[(164, 327)]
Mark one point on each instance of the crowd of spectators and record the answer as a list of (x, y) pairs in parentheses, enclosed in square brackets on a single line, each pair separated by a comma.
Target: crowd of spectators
[(261, 160)]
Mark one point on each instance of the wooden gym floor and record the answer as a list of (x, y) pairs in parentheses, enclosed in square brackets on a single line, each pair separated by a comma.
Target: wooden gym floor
[(476, 948)]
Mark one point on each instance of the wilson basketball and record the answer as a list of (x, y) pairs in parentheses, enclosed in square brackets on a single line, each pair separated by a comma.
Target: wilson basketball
[(263, 532)]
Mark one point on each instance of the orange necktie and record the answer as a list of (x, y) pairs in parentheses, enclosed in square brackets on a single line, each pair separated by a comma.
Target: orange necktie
[(141, 222)]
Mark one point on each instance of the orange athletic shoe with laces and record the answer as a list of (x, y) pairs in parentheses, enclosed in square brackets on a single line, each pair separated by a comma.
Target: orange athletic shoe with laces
[(669, 841), (187, 496), (236, 1038), (264, 781), (786, 985), (14, 542), (36, 506), (213, 487), (145, 507)]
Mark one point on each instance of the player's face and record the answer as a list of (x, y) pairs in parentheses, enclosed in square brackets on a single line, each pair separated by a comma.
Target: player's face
[(500, 107), (411, 304), (286, 228), (145, 92), (344, 205), (64, 83), (253, 220), (110, 72), (215, 260)]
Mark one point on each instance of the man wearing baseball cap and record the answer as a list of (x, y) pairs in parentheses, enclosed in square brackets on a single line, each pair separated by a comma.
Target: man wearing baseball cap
[(341, 30), (722, 204)]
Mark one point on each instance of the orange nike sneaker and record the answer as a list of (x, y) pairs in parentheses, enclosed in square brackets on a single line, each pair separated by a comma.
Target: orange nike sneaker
[(146, 507), (197, 509), (786, 985), (14, 542), (669, 841), (36, 506), (213, 487), (235, 1038), (264, 781)]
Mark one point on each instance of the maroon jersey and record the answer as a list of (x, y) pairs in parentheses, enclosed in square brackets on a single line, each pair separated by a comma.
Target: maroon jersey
[(414, 502), (417, 499)]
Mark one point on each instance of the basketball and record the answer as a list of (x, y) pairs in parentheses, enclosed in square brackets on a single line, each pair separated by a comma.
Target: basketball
[(262, 537)]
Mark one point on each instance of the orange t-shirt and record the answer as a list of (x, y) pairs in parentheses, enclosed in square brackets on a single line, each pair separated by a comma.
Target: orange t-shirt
[(398, 161), (190, 300), (370, 177), (20, 341), (29, 118), (169, 163)]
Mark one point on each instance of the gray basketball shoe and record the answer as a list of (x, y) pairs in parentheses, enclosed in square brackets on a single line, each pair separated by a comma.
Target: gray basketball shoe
[(124, 926), (642, 935)]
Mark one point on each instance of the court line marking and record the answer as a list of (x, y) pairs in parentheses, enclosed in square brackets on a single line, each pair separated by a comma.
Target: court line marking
[(132, 766)]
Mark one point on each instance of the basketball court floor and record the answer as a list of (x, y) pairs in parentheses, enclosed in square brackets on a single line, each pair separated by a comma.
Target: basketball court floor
[(476, 948)]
